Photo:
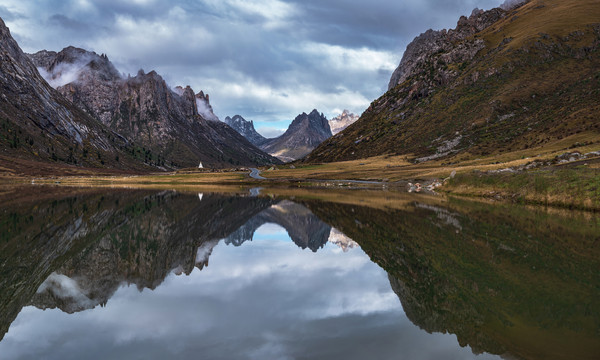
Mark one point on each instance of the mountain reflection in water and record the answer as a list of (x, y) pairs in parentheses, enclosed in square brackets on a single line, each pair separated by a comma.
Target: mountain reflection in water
[(505, 280)]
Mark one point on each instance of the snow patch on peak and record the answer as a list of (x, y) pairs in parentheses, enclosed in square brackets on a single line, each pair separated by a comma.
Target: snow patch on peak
[(342, 121), (338, 238)]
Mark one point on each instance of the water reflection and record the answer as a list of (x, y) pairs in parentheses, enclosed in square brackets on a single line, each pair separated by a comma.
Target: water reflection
[(302, 226), (505, 280), (508, 280)]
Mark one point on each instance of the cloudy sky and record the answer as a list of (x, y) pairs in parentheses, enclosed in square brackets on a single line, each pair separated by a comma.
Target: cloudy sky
[(267, 60)]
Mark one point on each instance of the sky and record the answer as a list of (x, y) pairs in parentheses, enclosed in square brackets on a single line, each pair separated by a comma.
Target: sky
[(266, 60)]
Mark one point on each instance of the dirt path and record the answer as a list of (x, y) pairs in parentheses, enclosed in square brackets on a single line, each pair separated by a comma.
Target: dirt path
[(255, 174)]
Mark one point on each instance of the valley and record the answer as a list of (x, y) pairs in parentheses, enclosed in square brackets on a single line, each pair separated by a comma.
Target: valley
[(503, 114), (365, 180)]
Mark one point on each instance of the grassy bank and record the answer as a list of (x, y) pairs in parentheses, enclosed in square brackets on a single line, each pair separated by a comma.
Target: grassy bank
[(572, 187)]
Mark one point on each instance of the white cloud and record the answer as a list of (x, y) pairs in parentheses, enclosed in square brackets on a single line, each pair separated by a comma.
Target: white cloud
[(270, 132), (287, 102), (341, 58), (274, 12), (147, 39)]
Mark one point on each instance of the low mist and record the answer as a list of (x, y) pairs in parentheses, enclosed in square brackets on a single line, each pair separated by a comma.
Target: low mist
[(205, 111), (511, 4), (64, 73)]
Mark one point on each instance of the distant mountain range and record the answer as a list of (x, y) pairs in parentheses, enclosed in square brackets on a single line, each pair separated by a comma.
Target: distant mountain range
[(75, 107), (521, 78), (304, 228), (305, 133)]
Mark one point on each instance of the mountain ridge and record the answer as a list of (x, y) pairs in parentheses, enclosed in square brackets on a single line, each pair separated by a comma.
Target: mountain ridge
[(246, 129), (303, 134), (176, 127), (502, 81), (39, 124)]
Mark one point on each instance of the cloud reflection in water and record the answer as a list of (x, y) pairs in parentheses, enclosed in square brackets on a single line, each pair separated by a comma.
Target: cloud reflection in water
[(263, 300)]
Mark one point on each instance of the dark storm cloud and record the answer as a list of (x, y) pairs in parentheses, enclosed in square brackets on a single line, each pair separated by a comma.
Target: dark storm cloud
[(68, 23), (266, 60), (379, 24)]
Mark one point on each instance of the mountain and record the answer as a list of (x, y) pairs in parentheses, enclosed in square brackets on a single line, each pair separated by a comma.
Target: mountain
[(521, 78), (342, 121), (174, 127), (38, 124), (304, 228), (246, 129), (302, 136)]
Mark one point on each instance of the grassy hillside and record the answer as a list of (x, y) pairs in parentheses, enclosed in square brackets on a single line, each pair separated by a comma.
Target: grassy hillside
[(536, 84)]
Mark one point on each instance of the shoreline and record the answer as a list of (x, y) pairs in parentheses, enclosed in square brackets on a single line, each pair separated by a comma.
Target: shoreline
[(571, 185)]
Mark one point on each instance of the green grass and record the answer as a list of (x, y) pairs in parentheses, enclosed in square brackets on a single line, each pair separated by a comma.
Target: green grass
[(577, 187)]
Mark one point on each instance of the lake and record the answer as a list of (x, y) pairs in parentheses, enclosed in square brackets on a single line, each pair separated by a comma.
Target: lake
[(293, 274)]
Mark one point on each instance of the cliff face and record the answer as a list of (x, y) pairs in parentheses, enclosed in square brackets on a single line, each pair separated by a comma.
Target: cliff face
[(304, 134), (175, 127), (38, 123), (246, 129), (484, 88), (453, 46)]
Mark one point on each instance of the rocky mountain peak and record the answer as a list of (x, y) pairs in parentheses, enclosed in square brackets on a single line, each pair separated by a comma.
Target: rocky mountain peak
[(189, 100), (43, 58), (175, 127), (8, 44), (246, 129), (474, 89), (423, 48), (41, 123), (342, 121), (315, 121), (74, 64), (204, 108), (305, 133)]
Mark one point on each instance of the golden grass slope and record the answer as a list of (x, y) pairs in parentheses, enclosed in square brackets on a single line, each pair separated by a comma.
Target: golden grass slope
[(534, 85)]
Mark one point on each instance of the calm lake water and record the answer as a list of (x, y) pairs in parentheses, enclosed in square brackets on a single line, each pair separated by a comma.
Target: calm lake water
[(281, 274)]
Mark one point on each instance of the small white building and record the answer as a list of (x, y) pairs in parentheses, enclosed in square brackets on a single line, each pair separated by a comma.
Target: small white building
[(200, 166)]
